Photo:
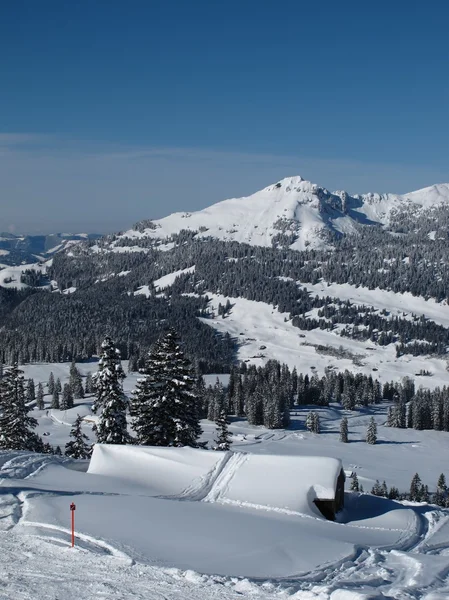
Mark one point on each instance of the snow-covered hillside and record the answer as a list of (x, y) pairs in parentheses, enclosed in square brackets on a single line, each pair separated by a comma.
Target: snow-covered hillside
[(292, 212)]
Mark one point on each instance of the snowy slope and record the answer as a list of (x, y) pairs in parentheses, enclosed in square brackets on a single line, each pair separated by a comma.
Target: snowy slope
[(148, 528), (296, 208)]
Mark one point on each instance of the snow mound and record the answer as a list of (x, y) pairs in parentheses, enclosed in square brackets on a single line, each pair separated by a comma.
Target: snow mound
[(166, 471), (281, 483)]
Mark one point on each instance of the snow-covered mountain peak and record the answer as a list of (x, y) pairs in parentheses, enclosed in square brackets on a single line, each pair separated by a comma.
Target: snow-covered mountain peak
[(293, 212)]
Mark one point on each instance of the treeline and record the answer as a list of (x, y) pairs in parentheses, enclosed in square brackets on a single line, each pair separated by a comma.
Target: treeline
[(418, 492), (426, 409), (265, 395)]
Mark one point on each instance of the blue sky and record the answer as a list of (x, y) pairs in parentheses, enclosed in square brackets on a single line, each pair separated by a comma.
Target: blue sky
[(115, 111)]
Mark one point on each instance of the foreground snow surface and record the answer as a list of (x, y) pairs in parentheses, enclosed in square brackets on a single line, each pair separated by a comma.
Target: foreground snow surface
[(138, 540), (132, 544)]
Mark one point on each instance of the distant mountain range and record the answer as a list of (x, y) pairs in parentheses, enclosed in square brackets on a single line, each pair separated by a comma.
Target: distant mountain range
[(339, 280), (300, 215), (20, 249)]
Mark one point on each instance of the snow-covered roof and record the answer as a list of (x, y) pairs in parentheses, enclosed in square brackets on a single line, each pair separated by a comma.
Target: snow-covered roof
[(280, 483)]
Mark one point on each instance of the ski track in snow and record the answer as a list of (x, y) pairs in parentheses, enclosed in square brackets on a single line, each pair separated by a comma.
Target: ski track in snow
[(97, 569)]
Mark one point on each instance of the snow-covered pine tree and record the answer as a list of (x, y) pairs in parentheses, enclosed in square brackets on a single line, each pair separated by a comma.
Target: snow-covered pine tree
[(376, 489), (223, 441), (30, 391), (309, 421), (415, 488), (78, 447), (344, 430), (76, 382), (55, 398), (89, 386), (384, 490), (111, 427), (67, 398), (164, 405), (393, 493), (51, 383), (441, 484), (439, 498), (316, 423), (16, 426), (354, 487), (371, 432), (40, 397), (58, 385), (424, 493)]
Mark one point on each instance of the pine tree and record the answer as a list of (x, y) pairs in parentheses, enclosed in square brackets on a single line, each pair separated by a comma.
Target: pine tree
[(424, 494), (354, 487), (384, 490), (51, 383), (223, 441), (58, 385), (78, 447), (89, 387), (55, 399), (344, 430), (415, 488), (371, 432), (316, 423), (30, 392), (67, 398), (111, 427), (376, 489), (16, 426), (310, 420), (76, 382), (393, 493), (441, 484), (439, 498), (40, 397), (164, 406)]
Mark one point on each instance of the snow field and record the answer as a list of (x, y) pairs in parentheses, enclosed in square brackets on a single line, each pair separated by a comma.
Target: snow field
[(256, 324)]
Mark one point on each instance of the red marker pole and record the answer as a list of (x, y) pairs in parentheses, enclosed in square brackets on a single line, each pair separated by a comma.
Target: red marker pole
[(72, 510)]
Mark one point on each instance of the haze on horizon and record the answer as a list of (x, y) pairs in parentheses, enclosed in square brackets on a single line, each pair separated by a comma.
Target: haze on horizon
[(111, 114)]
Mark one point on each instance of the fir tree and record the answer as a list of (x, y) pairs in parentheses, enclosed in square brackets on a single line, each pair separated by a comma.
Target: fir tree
[(76, 382), (223, 441), (111, 427), (441, 484), (58, 385), (424, 495), (376, 489), (384, 490), (89, 387), (57, 451), (78, 447), (40, 397), (354, 487), (55, 398), (371, 432), (67, 398), (51, 383), (393, 493), (415, 488), (344, 430), (16, 426), (30, 392), (164, 406)]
